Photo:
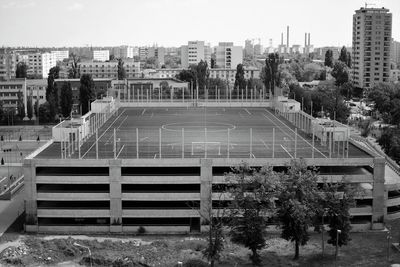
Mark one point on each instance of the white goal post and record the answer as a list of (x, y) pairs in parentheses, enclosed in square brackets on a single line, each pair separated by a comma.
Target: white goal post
[(203, 146)]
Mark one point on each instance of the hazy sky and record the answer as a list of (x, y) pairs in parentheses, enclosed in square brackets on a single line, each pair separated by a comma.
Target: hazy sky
[(174, 22)]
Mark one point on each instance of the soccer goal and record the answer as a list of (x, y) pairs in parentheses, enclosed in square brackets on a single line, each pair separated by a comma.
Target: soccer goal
[(205, 147)]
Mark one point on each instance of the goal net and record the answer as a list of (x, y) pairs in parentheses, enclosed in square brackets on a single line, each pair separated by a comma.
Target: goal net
[(206, 147)]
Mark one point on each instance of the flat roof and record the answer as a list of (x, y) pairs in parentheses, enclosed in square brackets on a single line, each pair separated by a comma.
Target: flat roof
[(198, 132)]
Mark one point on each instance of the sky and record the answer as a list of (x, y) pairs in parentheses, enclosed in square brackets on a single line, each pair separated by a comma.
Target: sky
[(169, 23)]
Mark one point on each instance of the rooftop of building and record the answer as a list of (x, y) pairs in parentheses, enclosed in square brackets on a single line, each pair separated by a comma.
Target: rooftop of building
[(198, 132)]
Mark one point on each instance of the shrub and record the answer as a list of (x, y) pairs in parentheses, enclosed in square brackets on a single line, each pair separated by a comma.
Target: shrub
[(141, 230)]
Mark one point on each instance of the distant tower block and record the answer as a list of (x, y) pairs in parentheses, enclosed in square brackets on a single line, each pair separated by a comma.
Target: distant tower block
[(270, 42)]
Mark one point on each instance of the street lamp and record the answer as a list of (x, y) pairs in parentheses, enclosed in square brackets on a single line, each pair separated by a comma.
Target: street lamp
[(90, 254), (337, 244)]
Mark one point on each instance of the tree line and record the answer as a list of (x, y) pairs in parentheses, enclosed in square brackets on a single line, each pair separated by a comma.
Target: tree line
[(292, 199)]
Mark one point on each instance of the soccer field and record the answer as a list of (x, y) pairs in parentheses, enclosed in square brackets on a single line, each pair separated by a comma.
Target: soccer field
[(201, 132)]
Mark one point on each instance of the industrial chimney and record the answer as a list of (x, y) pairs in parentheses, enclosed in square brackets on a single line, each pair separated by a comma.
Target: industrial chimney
[(282, 38), (287, 41), (309, 39), (305, 40)]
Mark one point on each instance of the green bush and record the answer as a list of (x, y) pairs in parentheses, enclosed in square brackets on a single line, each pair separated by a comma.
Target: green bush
[(195, 245)]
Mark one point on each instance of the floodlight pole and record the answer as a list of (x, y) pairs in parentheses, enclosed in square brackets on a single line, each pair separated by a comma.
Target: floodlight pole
[(337, 245), (313, 142), (115, 144), (137, 143), (229, 130), (205, 143), (183, 143), (251, 142), (159, 145), (97, 145)]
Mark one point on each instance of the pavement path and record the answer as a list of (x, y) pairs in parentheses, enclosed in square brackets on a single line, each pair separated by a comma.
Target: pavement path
[(11, 209)]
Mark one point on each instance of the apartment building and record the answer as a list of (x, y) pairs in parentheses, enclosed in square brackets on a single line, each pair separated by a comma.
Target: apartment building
[(395, 52), (109, 69), (194, 52), (61, 54), (372, 36), (39, 64), (157, 52), (8, 65), (228, 56), (101, 55)]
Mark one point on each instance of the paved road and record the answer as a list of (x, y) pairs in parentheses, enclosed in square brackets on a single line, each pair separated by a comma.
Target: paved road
[(10, 210)]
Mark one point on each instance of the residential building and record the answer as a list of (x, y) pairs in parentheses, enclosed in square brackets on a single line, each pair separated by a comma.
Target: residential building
[(258, 50), (61, 55), (101, 55), (248, 48), (228, 56), (14, 90), (158, 53), (395, 52), (394, 73), (8, 65), (372, 36), (229, 74), (194, 52), (109, 69), (39, 64), (143, 53)]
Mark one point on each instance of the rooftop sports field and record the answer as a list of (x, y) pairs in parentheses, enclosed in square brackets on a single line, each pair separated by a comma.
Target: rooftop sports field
[(200, 132)]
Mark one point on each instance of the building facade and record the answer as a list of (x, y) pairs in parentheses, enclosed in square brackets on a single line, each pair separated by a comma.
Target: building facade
[(228, 56), (372, 35), (194, 52), (39, 64), (395, 52), (101, 55), (8, 65), (61, 54), (109, 69)]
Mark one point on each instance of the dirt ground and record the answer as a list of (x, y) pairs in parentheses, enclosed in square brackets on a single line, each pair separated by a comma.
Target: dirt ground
[(365, 249)]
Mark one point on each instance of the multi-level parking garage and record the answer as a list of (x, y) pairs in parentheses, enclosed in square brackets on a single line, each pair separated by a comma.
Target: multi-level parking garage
[(158, 167)]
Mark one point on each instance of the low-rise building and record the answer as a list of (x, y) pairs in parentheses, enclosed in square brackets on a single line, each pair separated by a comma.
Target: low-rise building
[(101, 55), (109, 69), (61, 54)]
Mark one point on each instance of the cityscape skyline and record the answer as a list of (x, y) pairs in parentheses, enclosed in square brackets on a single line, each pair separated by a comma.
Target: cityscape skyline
[(87, 22)]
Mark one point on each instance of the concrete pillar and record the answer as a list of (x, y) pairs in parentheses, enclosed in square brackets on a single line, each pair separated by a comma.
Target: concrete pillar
[(205, 188), (31, 220), (115, 196), (378, 193)]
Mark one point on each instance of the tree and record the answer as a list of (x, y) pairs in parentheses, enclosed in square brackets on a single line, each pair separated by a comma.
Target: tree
[(252, 193), (329, 58), (121, 70), (21, 71), (299, 200), (66, 99), (240, 81), (202, 74), (29, 107), (348, 62), (390, 142), (337, 205), (74, 70), (270, 72), (44, 113), (86, 92), (165, 89), (20, 105), (340, 73), (386, 97), (343, 57), (188, 76)]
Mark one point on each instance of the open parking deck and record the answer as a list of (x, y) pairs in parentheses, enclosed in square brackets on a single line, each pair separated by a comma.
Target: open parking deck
[(199, 132)]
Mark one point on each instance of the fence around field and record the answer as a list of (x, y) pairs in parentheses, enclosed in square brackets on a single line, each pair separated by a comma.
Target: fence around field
[(213, 141)]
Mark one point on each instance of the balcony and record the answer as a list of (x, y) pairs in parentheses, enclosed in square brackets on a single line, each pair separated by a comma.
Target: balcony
[(84, 213)]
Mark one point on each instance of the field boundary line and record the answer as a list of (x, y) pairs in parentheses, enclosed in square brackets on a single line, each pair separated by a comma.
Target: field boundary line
[(295, 133), (90, 148)]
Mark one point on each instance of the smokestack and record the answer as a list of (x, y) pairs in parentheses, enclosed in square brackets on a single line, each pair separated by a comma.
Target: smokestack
[(309, 39), (287, 43), (305, 40), (282, 38)]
